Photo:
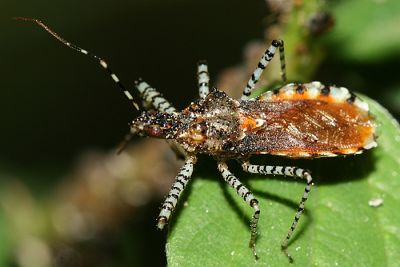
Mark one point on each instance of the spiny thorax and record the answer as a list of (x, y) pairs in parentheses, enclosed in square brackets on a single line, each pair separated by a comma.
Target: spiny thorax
[(208, 125)]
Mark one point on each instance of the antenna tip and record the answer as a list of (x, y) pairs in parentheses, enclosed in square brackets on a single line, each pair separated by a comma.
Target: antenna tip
[(24, 19)]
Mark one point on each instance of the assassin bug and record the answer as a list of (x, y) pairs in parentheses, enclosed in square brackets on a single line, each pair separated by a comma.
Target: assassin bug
[(297, 121)]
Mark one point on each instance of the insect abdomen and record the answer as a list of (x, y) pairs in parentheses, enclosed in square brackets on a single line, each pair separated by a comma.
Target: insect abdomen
[(307, 120)]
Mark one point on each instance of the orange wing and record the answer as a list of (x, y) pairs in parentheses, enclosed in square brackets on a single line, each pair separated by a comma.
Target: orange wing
[(306, 121)]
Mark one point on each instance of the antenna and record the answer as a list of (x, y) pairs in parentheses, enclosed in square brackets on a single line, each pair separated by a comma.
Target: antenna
[(85, 52)]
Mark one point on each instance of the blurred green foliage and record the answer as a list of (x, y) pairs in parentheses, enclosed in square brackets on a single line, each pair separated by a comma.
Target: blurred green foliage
[(363, 49), (366, 31)]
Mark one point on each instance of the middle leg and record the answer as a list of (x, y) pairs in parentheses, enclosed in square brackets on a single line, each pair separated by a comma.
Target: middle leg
[(245, 193)]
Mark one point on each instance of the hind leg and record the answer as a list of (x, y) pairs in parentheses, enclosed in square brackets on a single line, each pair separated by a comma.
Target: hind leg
[(286, 171)]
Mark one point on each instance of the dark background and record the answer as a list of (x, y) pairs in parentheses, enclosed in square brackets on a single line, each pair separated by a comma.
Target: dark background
[(56, 102)]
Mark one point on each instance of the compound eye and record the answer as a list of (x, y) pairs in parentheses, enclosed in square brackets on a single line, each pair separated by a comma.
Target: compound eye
[(153, 131)]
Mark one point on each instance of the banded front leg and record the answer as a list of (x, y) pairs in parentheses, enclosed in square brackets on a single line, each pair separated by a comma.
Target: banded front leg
[(245, 193), (287, 171), (175, 192), (151, 97), (203, 79), (265, 59)]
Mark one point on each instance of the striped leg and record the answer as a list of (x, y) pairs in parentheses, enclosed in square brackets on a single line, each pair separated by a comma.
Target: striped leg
[(245, 193), (151, 97), (180, 183), (85, 52), (282, 60), (265, 59), (203, 78), (287, 171)]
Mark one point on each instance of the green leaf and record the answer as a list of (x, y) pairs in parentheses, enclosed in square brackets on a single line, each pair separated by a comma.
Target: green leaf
[(366, 30), (338, 227), (4, 241)]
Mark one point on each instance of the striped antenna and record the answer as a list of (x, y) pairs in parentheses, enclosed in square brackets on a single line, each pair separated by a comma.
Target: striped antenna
[(85, 52)]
